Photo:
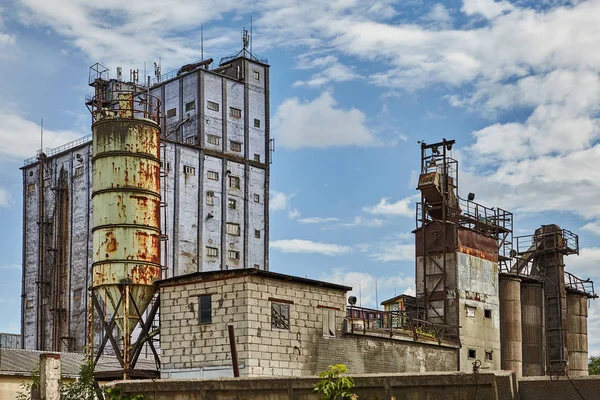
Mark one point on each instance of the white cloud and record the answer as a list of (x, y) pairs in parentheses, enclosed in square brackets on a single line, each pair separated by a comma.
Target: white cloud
[(330, 70), (280, 201), (363, 285), (20, 138), (294, 214), (394, 248), (438, 17), (593, 227), (366, 222), (486, 8), (5, 198), (320, 123), (317, 220), (401, 208), (586, 264), (308, 246)]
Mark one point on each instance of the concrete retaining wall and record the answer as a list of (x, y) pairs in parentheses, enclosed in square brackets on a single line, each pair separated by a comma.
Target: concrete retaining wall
[(555, 388)]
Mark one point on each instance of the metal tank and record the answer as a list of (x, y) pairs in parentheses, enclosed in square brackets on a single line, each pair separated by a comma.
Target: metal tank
[(126, 209), (577, 340), (510, 323), (532, 318)]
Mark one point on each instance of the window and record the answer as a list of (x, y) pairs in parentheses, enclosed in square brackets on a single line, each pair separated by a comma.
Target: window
[(235, 112), (29, 303), (210, 198), (256, 157), (256, 123), (488, 313), (257, 233), (31, 188), (471, 312), (212, 175), (212, 251), (256, 198), (233, 229), (233, 254), (190, 106), (211, 105), (205, 309), (280, 316), (235, 146), (472, 353), (328, 322), (234, 182), (168, 166), (256, 265), (171, 113), (79, 171), (256, 75), (190, 140), (213, 139), (232, 203), (189, 170), (489, 355), (77, 297)]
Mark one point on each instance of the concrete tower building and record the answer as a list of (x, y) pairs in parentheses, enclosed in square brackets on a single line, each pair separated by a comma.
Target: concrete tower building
[(214, 207)]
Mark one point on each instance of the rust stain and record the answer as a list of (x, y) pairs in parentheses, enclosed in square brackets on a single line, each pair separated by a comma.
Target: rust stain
[(111, 243)]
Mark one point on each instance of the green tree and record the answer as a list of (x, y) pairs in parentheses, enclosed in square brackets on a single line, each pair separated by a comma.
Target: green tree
[(83, 387), (594, 365), (335, 384)]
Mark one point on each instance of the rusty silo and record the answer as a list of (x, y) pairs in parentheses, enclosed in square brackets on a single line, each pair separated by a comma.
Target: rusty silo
[(534, 338), (577, 340), (510, 323), (126, 212)]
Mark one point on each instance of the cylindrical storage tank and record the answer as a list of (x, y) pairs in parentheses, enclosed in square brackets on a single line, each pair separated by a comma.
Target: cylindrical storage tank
[(510, 324), (126, 215), (577, 339), (532, 323)]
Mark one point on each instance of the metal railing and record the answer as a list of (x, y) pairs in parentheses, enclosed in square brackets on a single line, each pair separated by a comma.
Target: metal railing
[(560, 240), (399, 322), (124, 104), (575, 283), (56, 150), (243, 53)]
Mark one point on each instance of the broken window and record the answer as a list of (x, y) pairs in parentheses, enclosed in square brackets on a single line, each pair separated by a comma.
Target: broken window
[(210, 198), (232, 203), (234, 182), (256, 123), (190, 140), (489, 355), (257, 234), (79, 171), (488, 313), (233, 254), (190, 106), (472, 353), (171, 113), (471, 312), (256, 198), (189, 170), (212, 175), (256, 157), (328, 322), (205, 309), (31, 188), (235, 112), (280, 316), (211, 105), (235, 146), (213, 139)]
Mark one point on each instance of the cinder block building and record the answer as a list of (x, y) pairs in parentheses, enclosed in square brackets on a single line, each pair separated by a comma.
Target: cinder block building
[(214, 201)]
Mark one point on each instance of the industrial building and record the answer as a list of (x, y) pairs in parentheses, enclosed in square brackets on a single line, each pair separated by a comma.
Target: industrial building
[(209, 211)]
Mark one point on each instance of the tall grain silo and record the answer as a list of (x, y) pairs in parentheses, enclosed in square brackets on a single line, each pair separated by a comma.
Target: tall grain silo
[(126, 205)]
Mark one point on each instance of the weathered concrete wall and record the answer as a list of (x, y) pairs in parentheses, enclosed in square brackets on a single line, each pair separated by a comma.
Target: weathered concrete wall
[(366, 354), (559, 388), (426, 386), (246, 303)]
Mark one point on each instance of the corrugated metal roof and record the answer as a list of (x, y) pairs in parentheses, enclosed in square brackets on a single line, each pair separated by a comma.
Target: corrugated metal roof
[(22, 362)]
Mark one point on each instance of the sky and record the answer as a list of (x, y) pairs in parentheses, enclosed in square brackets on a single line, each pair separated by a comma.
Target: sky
[(354, 86)]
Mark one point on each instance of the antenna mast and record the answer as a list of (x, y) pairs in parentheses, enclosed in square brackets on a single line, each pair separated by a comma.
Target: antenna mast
[(202, 42)]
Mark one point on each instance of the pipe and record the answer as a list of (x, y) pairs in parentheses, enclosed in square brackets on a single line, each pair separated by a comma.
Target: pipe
[(234, 355)]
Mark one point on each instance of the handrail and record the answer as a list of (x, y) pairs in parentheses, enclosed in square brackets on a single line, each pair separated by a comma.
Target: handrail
[(53, 151)]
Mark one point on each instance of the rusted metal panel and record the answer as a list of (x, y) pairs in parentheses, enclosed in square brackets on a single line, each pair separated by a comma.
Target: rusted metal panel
[(511, 335), (478, 245), (532, 316), (125, 243), (577, 336), (139, 208)]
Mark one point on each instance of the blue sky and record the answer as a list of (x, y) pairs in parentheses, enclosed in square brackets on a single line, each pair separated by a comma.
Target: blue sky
[(354, 86)]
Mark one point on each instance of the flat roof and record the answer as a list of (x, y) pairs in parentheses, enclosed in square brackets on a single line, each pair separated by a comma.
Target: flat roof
[(233, 273)]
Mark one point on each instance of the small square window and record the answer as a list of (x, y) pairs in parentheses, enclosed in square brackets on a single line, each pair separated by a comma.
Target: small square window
[(234, 182), (213, 139), (190, 140), (472, 353), (212, 175), (210, 198), (172, 113), (256, 157), (471, 311), (190, 106), (489, 355), (233, 254), (232, 203), (211, 105), (205, 309), (189, 170), (256, 198), (488, 313), (256, 75), (168, 166), (233, 229), (29, 303), (257, 233), (79, 171), (256, 123), (212, 251), (235, 112), (280, 316), (31, 188), (235, 146)]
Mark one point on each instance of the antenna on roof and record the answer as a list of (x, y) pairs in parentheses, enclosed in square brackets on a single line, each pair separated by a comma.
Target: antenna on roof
[(202, 42), (42, 137), (250, 34), (245, 40)]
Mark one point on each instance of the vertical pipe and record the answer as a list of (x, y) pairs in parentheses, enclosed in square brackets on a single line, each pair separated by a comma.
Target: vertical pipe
[(234, 355), (126, 330)]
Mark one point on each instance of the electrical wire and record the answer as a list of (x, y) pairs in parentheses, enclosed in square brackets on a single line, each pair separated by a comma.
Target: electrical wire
[(575, 387), (476, 366)]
